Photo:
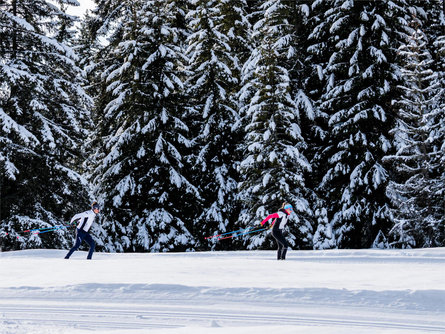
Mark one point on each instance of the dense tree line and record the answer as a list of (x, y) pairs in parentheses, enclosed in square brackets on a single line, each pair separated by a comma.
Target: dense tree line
[(189, 118)]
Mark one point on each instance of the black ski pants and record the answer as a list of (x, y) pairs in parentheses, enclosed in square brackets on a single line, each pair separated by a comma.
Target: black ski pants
[(282, 243), (81, 236)]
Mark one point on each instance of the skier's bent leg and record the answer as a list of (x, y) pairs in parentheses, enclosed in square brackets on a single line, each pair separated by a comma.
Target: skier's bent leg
[(79, 239), (283, 253), (92, 244), (75, 247), (280, 249), (276, 234), (285, 247), (282, 244)]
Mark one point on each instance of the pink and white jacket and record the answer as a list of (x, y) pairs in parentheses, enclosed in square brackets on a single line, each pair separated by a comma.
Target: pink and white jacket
[(280, 218)]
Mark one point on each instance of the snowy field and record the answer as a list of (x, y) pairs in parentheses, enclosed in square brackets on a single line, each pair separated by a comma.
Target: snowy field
[(337, 291)]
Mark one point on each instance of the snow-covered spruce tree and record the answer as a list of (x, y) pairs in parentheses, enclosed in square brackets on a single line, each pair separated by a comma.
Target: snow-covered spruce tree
[(43, 112), (148, 203), (273, 165), (362, 76), (87, 46), (307, 80), (316, 132), (431, 14), (304, 94), (216, 51), (440, 44), (417, 191), (434, 27), (253, 12)]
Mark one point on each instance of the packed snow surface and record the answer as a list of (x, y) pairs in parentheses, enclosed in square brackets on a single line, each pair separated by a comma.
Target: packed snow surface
[(335, 291)]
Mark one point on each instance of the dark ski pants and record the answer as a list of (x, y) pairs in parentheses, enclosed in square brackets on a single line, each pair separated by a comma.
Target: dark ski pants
[(81, 236), (282, 244)]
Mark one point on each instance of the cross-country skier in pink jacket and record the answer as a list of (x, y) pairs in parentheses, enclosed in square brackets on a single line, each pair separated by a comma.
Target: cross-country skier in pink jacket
[(280, 220)]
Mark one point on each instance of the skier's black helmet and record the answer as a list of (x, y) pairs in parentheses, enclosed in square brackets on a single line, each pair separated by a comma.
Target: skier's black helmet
[(95, 206)]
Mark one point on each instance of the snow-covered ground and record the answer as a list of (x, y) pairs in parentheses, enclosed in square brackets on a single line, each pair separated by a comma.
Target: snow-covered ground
[(336, 291)]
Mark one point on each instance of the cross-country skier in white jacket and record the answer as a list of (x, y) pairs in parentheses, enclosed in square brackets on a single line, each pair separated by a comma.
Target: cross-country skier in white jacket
[(85, 220)]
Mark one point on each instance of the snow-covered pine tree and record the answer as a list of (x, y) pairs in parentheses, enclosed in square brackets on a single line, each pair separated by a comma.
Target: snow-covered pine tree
[(87, 47), (362, 75), (64, 24), (317, 132), (417, 191), (43, 111), (439, 43), (303, 94), (217, 49), (434, 28), (148, 203), (431, 14), (253, 12), (273, 165)]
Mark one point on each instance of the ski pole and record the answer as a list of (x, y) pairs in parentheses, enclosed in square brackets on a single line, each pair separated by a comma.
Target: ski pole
[(218, 235), (40, 229), (235, 235), (52, 229), (43, 229), (58, 227), (33, 230)]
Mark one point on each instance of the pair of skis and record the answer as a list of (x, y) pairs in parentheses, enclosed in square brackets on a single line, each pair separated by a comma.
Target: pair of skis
[(236, 233)]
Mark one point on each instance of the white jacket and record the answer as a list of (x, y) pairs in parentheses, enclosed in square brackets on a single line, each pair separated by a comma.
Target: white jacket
[(284, 216), (85, 219)]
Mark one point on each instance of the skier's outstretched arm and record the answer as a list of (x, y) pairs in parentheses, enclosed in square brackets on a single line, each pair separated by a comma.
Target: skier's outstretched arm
[(273, 215), (76, 217)]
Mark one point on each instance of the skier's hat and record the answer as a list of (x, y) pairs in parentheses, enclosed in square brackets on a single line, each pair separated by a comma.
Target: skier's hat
[(95, 206)]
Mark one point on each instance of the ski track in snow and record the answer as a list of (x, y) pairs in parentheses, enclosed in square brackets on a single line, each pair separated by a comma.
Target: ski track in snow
[(106, 296), (93, 317)]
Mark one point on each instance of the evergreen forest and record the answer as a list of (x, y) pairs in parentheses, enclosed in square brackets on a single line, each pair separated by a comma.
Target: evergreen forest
[(186, 119)]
